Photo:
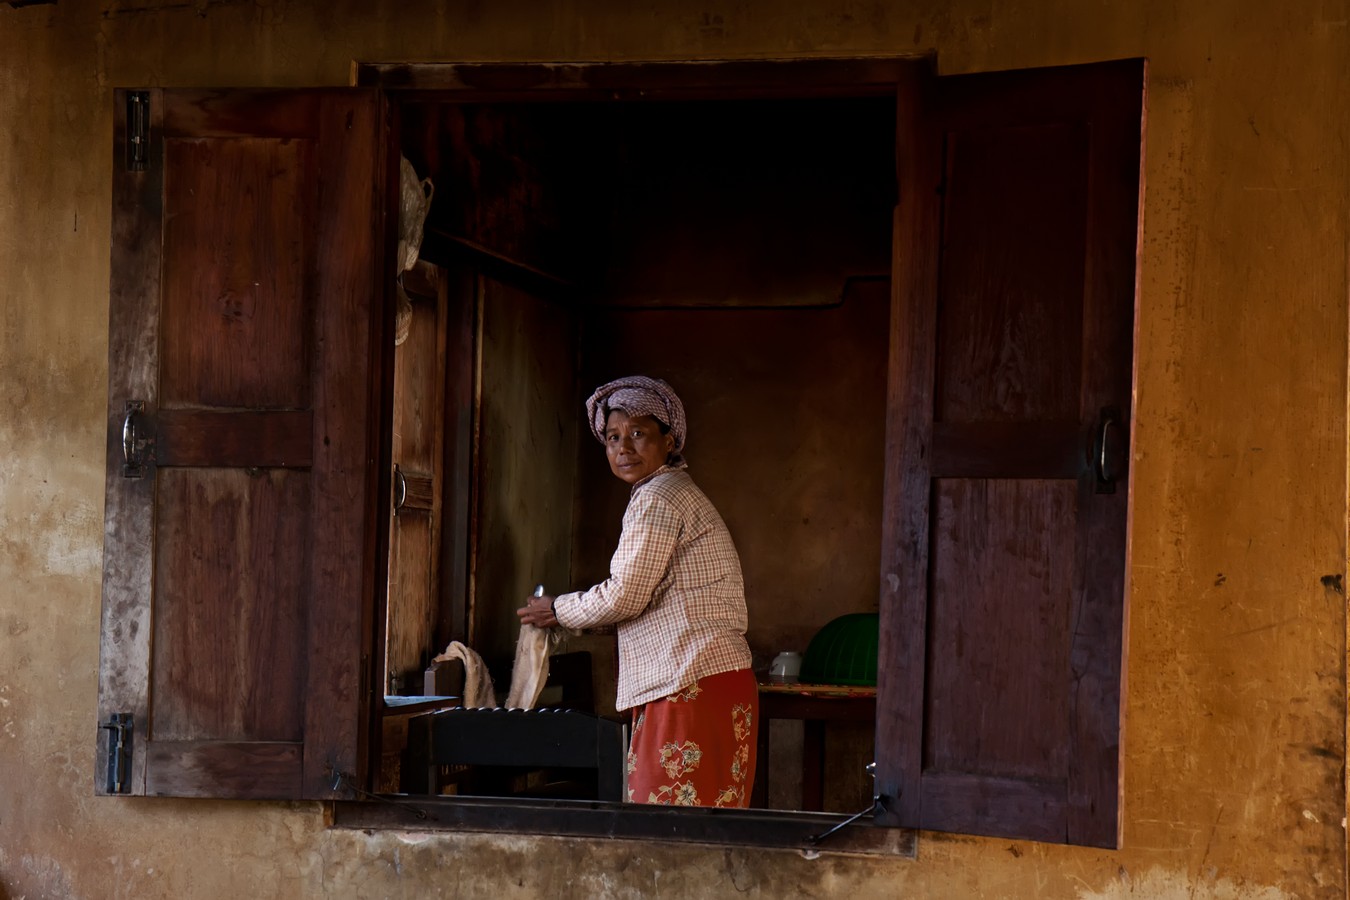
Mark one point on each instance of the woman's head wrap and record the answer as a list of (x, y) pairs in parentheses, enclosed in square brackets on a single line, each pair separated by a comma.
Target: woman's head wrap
[(639, 395)]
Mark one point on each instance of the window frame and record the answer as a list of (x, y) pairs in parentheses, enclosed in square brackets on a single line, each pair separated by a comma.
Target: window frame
[(901, 77), (809, 832)]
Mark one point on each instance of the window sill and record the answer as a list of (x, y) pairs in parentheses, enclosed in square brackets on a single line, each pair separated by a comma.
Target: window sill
[(625, 821)]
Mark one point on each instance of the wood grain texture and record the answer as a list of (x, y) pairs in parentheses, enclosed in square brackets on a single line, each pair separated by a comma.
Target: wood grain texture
[(133, 365), (1010, 328), (229, 638), (909, 422), (1000, 807), (249, 770), (413, 595), (253, 639), (192, 437), (1021, 577), (353, 327), (418, 493), (234, 333), (1009, 449), (251, 114), (999, 628)]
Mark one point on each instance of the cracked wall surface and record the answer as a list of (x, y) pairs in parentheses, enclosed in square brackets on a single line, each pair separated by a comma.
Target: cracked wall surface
[(1235, 710)]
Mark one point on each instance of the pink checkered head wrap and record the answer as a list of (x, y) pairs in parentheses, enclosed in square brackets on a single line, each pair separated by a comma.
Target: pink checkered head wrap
[(639, 395)]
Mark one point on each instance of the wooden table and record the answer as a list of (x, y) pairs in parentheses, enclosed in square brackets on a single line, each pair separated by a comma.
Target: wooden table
[(814, 704)]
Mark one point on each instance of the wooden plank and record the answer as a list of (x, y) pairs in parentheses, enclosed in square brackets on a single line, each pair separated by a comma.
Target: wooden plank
[(423, 280), (1011, 284), (418, 493), (1000, 807), (1008, 450), (414, 589), (1098, 653), (250, 770), (235, 332), (196, 437), (243, 113), (352, 334), (905, 497), (133, 365), (228, 635), (795, 78), (452, 250), (997, 687)]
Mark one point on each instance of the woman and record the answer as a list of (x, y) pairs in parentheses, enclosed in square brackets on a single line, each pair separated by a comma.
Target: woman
[(676, 596)]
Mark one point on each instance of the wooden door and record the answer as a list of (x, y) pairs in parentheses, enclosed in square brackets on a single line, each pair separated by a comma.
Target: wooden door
[(415, 531), (1004, 556), (239, 556)]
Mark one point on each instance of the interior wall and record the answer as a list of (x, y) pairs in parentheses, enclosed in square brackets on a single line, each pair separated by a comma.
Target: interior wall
[(786, 411), (525, 480), (745, 202), (1234, 745)]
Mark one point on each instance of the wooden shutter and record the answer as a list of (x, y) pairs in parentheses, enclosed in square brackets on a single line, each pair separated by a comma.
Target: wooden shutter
[(1003, 567), (239, 565)]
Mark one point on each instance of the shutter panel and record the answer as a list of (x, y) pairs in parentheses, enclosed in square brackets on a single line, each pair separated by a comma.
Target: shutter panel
[(239, 569), (1004, 555)]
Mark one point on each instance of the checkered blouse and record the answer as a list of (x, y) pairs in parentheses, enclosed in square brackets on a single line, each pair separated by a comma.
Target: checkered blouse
[(674, 591)]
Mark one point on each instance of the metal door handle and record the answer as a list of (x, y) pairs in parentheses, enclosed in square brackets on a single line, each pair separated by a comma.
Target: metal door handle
[(1105, 462), (400, 489), (1104, 473), (133, 445)]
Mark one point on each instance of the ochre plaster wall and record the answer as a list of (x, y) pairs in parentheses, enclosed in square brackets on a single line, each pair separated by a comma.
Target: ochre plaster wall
[(1235, 740)]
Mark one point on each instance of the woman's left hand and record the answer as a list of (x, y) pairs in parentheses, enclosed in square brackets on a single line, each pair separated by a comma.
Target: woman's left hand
[(538, 611)]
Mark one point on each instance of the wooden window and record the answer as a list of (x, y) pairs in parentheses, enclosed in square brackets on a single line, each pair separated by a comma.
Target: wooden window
[(1003, 557), (245, 567), (239, 563)]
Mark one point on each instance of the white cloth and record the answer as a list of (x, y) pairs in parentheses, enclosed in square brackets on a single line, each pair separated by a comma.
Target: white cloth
[(478, 690), (528, 673), (530, 670)]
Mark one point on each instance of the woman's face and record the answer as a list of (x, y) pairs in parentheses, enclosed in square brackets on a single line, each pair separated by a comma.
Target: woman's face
[(635, 446)]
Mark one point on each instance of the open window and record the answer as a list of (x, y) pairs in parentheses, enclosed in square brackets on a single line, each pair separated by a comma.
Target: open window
[(898, 308)]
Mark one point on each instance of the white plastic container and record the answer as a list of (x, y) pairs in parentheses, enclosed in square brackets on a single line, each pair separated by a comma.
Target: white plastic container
[(786, 667)]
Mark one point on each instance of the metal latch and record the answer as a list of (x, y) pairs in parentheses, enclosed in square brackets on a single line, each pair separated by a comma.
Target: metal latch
[(120, 730), (876, 807), (138, 131)]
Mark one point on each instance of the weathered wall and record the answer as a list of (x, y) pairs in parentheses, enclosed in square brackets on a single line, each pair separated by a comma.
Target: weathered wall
[(1235, 713), (526, 483)]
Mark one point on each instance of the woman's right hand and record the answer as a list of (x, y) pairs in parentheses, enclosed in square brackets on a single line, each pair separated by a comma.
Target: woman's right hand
[(538, 611)]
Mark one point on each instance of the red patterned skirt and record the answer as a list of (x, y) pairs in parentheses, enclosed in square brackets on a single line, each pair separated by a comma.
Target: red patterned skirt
[(697, 747)]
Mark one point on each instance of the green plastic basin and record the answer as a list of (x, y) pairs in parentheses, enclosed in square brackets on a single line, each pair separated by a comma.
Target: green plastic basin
[(844, 651)]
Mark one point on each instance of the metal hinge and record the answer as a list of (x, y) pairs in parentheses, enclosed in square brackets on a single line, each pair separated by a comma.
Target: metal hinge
[(120, 729), (138, 131)]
